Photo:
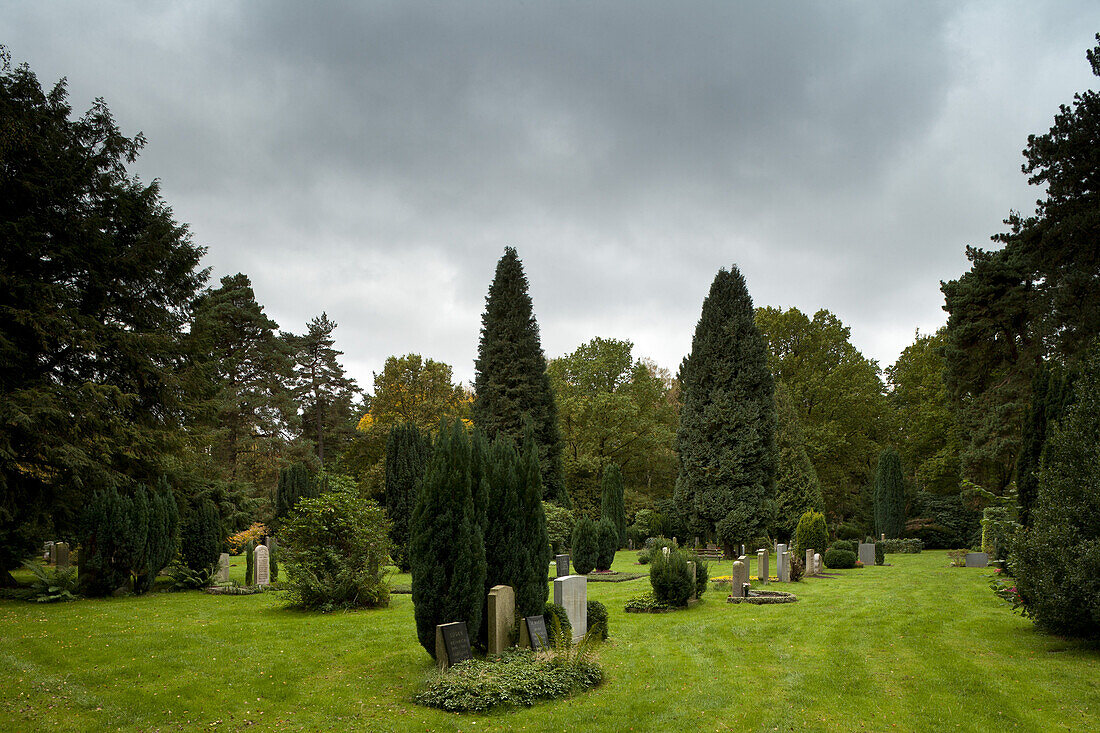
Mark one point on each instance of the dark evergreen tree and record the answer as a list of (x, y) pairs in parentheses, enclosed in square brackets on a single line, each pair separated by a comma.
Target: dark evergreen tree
[(201, 537), (162, 536), (511, 384), (1051, 393), (889, 495), (611, 502), (407, 454), (446, 547), (810, 534), (607, 541), (1058, 557), (480, 470), (797, 488), (250, 562), (96, 280), (108, 543), (727, 428), (534, 548), (294, 484), (586, 546), (503, 529)]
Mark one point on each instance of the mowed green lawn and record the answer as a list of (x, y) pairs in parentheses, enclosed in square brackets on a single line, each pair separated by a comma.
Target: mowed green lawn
[(915, 646)]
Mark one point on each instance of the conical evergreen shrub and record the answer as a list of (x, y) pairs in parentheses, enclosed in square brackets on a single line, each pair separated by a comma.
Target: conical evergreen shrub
[(586, 546), (889, 496), (407, 454), (611, 502), (607, 541), (532, 589)]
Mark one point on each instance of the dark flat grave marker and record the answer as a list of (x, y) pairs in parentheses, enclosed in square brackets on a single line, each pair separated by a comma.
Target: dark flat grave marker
[(452, 644), (536, 632)]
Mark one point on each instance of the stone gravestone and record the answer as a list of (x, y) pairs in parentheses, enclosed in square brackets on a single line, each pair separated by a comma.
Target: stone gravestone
[(502, 614), (571, 593), (737, 579), (867, 554), (977, 559), (223, 568), (533, 633), (665, 551), (263, 568), (762, 565), (53, 553), (47, 551), (817, 563), (809, 566), (694, 578), (562, 562), (62, 549), (783, 566), (452, 644), (780, 548), (742, 550)]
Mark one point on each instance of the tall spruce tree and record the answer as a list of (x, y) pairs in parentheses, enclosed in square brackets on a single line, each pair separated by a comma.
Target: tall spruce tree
[(407, 454), (534, 550), (511, 383), (611, 502), (889, 495), (446, 549), (726, 439)]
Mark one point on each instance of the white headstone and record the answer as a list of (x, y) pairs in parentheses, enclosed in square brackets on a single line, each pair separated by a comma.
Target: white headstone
[(263, 568), (62, 550), (817, 563), (665, 550), (571, 593), (502, 616)]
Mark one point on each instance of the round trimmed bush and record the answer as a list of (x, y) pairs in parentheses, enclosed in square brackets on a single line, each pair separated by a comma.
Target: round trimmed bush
[(846, 545), (597, 616), (836, 559), (670, 577)]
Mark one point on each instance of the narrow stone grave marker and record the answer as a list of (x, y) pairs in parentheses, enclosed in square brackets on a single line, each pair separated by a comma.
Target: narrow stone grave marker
[(571, 593), (534, 633), (53, 553), (223, 568), (762, 565), (783, 566), (452, 644), (502, 614), (867, 553), (736, 579), (62, 549), (47, 551), (817, 563), (809, 566), (665, 550), (562, 563), (263, 567)]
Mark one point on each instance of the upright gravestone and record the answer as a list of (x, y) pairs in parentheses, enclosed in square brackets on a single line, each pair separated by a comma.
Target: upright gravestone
[(223, 568), (737, 579), (263, 568), (533, 633), (53, 553), (742, 550), (762, 565), (571, 593), (818, 566), (47, 551), (562, 563), (783, 566), (780, 548), (809, 566), (502, 614), (62, 549), (867, 553), (694, 578), (452, 644), (977, 559)]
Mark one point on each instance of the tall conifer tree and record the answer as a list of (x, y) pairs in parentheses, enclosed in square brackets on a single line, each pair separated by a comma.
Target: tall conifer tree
[(611, 502), (407, 454), (447, 550), (889, 495), (511, 383), (534, 550), (726, 438)]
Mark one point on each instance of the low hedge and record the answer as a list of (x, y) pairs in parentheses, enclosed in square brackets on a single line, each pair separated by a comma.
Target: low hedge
[(836, 559)]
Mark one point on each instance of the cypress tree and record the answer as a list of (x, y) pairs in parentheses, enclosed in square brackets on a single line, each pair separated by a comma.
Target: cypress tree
[(607, 541), (106, 543), (161, 542), (480, 468), (726, 438), (250, 562), (889, 495), (407, 454), (201, 537), (446, 548), (534, 547), (511, 383), (611, 502), (811, 533), (586, 546), (503, 564)]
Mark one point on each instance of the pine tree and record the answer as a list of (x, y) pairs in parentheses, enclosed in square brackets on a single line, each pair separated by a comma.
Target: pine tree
[(586, 546), (534, 547), (797, 489), (407, 454), (611, 502), (446, 547), (889, 495), (511, 383), (726, 438)]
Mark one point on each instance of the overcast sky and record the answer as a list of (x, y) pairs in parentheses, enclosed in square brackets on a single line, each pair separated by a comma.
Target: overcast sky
[(373, 160)]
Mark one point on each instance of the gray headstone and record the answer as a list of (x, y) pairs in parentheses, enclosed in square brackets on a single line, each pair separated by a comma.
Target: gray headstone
[(562, 563), (977, 559), (223, 568), (783, 566), (53, 553), (62, 550), (571, 593), (742, 550), (694, 578), (263, 568), (452, 644), (867, 554), (817, 563), (502, 615), (762, 565), (737, 578), (809, 566)]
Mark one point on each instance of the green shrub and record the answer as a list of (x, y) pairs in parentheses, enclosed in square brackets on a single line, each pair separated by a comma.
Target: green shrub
[(611, 502), (586, 546), (635, 536), (839, 559), (53, 584), (250, 563), (201, 537), (597, 618), (846, 545), (702, 575), (184, 578), (998, 528), (671, 578), (648, 522), (943, 522), (553, 613), (518, 678), (645, 602), (811, 533), (848, 532), (607, 541), (652, 546), (908, 546), (559, 526), (880, 554), (336, 548)]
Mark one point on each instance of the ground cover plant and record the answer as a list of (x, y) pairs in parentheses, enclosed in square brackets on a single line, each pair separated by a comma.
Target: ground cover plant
[(923, 647)]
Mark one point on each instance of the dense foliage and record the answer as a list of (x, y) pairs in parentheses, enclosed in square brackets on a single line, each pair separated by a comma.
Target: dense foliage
[(944, 521), (611, 502), (335, 548), (671, 577), (201, 537), (889, 495), (607, 541), (726, 439), (797, 489), (533, 548), (839, 559), (294, 484), (811, 533), (1051, 393), (407, 453), (559, 526), (586, 546), (511, 384), (597, 618)]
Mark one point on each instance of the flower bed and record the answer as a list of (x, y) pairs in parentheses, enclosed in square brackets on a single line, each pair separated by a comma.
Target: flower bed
[(764, 597)]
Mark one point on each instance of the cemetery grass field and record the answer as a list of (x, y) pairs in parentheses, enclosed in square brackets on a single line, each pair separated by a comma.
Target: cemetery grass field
[(915, 646)]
